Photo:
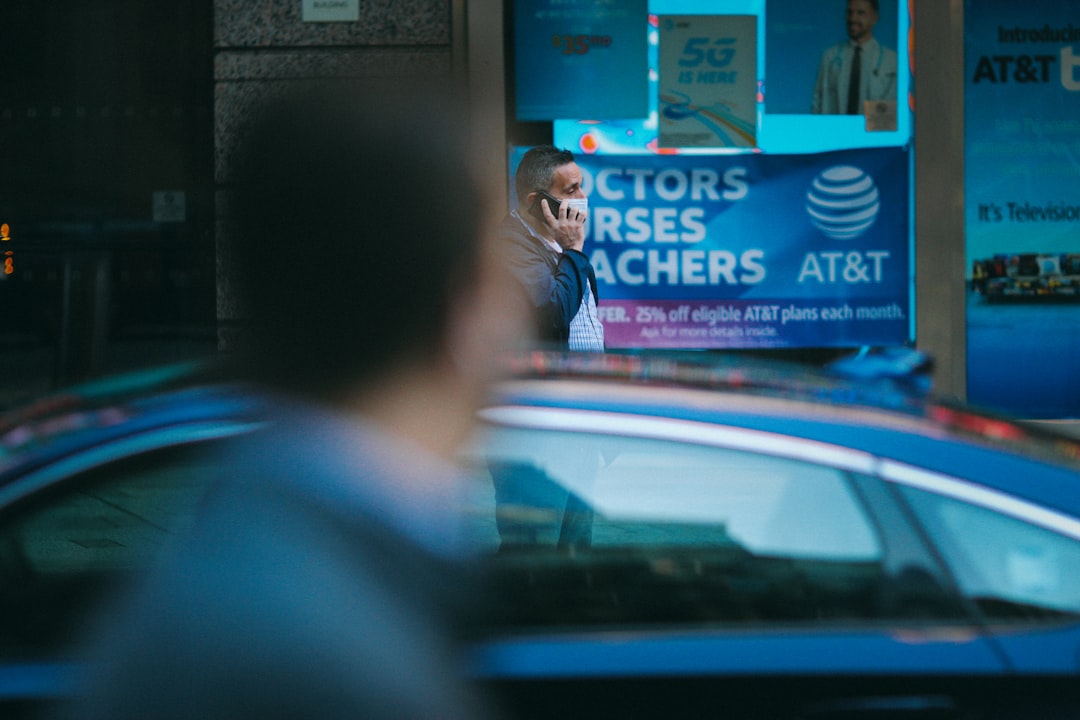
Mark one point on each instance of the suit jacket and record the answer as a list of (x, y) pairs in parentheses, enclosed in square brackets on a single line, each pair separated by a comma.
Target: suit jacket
[(553, 283)]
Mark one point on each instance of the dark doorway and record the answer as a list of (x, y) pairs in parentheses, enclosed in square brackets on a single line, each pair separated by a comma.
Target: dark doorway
[(106, 150)]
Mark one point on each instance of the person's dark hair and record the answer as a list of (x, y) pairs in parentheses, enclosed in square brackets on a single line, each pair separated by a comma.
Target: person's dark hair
[(537, 169), (874, 4), (354, 223)]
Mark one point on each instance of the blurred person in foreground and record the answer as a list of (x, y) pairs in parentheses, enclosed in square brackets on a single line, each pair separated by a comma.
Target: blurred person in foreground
[(544, 239), (321, 578)]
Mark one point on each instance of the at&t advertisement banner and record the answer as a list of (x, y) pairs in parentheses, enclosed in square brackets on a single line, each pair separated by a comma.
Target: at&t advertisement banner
[(1022, 205), (750, 251)]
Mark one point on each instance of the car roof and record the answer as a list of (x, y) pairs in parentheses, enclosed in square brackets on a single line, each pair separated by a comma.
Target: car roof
[(112, 408), (889, 418), (886, 418)]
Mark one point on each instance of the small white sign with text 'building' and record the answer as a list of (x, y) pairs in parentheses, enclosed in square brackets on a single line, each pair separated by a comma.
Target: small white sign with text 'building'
[(331, 10)]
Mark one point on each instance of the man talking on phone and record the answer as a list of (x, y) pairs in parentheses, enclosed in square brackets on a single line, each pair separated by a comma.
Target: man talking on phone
[(545, 237), (543, 242)]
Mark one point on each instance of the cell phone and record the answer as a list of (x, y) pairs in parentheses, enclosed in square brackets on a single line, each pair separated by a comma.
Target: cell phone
[(553, 204)]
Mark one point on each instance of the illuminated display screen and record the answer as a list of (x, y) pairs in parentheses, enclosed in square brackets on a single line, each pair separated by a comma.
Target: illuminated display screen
[(791, 41)]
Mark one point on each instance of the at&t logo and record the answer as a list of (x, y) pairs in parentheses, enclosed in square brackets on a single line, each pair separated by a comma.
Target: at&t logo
[(843, 202)]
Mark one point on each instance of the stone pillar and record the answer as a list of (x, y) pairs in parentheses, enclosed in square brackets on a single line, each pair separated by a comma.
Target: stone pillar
[(260, 45), (940, 243)]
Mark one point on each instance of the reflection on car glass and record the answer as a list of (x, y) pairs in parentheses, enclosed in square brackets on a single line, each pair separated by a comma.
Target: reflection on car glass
[(62, 553), (602, 531), (1013, 570)]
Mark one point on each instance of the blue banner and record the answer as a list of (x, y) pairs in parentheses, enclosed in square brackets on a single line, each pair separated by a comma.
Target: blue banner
[(1022, 206), (752, 250)]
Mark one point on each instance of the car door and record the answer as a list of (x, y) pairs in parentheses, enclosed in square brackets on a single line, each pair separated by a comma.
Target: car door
[(76, 528), (645, 566)]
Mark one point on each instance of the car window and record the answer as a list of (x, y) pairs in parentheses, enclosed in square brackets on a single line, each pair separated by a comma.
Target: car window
[(1014, 570), (61, 552), (601, 529)]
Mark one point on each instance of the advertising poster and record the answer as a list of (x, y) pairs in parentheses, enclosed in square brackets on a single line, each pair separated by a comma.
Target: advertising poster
[(708, 81), (798, 37), (792, 37), (1022, 206), (750, 250), (567, 52)]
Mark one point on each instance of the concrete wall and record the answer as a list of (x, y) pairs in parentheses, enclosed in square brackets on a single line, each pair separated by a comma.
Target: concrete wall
[(262, 45)]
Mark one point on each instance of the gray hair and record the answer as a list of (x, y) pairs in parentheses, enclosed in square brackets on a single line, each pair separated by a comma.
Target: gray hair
[(537, 169)]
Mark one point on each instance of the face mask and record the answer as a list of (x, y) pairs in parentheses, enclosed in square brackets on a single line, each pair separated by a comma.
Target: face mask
[(579, 204)]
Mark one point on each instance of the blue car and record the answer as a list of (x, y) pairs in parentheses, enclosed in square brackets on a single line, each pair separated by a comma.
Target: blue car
[(93, 480), (663, 537), (727, 539)]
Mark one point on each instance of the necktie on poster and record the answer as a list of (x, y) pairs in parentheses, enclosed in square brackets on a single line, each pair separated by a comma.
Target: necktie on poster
[(853, 85)]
